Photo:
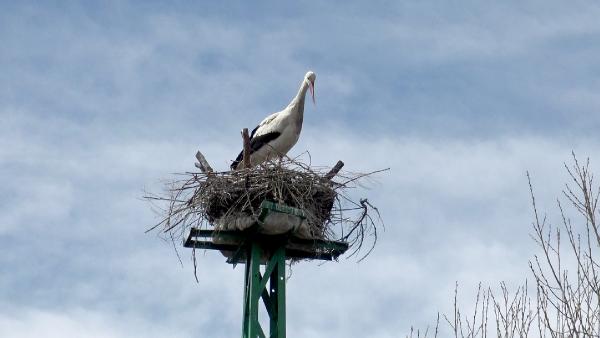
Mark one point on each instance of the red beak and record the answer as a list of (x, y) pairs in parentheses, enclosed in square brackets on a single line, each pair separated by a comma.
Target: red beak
[(311, 86)]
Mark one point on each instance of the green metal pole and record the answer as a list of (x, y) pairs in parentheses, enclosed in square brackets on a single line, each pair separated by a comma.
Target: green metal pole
[(251, 325), (246, 321), (277, 295), (274, 298)]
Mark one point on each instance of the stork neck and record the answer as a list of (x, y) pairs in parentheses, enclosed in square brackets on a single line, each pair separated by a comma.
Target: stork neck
[(300, 97), (296, 107)]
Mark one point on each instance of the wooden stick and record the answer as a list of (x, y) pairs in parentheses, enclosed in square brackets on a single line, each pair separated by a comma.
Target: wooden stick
[(202, 163), (335, 170), (246, 155)]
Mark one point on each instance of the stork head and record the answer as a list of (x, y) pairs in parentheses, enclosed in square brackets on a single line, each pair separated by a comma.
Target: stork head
[(310, 78)]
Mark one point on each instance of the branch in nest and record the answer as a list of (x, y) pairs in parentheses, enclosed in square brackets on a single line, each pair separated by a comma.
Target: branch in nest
[(334, 171), (202, 163), (246, 155)]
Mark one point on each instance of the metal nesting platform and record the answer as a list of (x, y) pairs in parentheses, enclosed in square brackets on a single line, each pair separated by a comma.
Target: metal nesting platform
[(237, 242), (255, 249)]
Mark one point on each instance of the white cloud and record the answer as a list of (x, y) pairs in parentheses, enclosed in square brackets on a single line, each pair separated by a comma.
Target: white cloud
[(29, 323)]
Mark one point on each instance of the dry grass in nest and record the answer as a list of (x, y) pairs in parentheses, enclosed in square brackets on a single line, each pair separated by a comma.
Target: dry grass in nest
[(198, 200)]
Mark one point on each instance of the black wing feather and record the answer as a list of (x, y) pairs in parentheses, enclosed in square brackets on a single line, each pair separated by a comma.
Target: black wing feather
[(254, 132), (255, 144)]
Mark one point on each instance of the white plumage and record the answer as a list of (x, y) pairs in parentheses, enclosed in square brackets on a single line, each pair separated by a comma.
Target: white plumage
[(279, 132)]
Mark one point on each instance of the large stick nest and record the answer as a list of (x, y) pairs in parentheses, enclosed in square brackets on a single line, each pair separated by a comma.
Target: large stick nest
[(200, 200)]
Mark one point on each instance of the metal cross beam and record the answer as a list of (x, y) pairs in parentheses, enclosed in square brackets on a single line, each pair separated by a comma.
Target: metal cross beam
[(235, 241)]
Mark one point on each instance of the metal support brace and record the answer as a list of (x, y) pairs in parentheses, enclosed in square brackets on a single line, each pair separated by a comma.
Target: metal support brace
[(257, 249), (255, 288)]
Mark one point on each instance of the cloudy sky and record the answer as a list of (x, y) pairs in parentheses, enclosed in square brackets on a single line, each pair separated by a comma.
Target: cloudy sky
[(459, 99)]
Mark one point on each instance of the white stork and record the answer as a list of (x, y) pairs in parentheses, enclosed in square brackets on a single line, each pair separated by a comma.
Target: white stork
[(278, 133)]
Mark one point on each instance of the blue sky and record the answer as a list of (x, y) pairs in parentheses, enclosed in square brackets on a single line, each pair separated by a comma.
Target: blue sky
[(99, 103)]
